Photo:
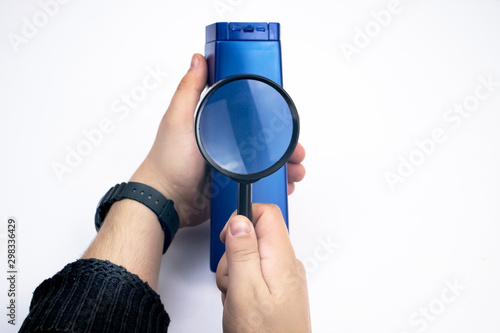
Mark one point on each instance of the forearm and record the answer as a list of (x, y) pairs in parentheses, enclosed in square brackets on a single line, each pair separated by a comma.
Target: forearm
[(130, 236)]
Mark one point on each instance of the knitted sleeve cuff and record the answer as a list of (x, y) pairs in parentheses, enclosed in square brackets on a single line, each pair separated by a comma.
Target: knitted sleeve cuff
[(91, 295)]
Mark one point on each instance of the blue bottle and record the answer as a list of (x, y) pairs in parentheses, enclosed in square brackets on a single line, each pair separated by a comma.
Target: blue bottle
[(242, 48)]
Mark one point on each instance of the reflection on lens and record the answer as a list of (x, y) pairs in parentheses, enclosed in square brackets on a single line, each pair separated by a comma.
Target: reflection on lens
[(245, 126)]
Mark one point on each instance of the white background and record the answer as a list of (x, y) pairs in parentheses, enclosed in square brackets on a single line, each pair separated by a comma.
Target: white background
[(393, 250)]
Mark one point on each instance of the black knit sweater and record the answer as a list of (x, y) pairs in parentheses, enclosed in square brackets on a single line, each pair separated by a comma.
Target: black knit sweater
[(91, 295)]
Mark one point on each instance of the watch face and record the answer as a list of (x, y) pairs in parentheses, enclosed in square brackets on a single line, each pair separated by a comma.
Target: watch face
[(101, 202), (103, 206)]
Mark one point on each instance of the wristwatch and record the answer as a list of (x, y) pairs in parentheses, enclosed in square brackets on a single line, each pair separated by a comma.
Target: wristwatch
[(148, 196)]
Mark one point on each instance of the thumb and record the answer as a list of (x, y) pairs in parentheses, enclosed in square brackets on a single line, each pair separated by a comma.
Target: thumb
[(242, 252), (187, 95)]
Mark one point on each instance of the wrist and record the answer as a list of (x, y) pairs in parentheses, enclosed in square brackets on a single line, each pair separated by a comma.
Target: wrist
[(149, 176), (147, 196), (128, 216), (130, 237)]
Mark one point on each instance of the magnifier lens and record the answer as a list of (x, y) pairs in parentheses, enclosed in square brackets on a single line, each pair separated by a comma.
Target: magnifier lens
[(245, 127)]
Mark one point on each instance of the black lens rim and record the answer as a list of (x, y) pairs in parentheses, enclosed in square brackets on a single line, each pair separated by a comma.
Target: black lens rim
[(253, 177)]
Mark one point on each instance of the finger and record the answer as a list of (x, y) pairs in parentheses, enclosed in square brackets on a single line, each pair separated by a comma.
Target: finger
[(290, 188), (187, 95), (296, 172), (275, 250), (243, 259), (298, 155), (221, 274), (222, 235)]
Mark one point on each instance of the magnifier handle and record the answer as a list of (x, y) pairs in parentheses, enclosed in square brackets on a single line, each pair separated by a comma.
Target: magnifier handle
[(245, 200)]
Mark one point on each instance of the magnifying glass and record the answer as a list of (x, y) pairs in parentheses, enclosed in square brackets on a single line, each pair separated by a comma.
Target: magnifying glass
[(246, 127)]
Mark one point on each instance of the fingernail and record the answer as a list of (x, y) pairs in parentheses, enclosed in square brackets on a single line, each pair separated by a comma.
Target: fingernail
[(194, 61), (239, 227)]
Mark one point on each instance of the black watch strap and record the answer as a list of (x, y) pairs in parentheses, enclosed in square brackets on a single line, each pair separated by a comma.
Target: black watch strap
[(148, 196)]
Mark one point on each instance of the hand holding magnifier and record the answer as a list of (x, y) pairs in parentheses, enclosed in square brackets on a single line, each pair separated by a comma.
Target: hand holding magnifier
[(246, 127)]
